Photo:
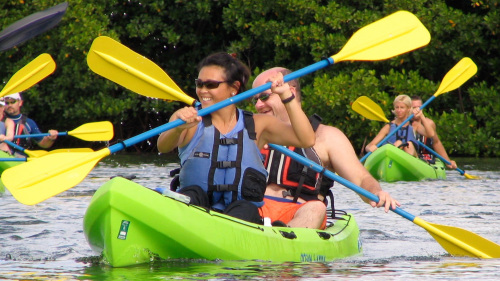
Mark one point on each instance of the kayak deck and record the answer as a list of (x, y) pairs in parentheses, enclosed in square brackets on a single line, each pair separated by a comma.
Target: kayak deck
[(4, 165), (129, 224), (389, 163)]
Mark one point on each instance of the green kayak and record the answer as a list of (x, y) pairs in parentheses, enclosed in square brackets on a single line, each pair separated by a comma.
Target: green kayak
[(389, 163), (130, 224), (4, 165)]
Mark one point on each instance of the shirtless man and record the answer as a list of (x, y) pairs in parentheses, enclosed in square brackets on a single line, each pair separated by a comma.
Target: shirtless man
[(335, 153)]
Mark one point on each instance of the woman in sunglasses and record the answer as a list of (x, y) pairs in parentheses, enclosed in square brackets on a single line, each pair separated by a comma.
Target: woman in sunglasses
[(221, 164)]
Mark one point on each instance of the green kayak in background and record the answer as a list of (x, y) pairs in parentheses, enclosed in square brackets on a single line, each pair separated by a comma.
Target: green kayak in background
[(130, 224), (389, 163), (4, 165)]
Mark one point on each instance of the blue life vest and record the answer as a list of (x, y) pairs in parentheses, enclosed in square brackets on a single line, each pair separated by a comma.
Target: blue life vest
[(2, 128), (228, 167), (404, 134)]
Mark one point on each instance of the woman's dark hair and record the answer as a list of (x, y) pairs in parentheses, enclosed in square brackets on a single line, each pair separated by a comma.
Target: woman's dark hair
[(234, 69)]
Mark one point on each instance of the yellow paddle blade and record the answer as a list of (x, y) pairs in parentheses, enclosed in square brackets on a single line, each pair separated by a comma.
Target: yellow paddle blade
[(395, 34), (369, 109), (125, 67), (32, 73), (460, 242), (96, 131), (471, 177), (83, 149), (35, 153), (39, 153), (41, 178), (458, 75)]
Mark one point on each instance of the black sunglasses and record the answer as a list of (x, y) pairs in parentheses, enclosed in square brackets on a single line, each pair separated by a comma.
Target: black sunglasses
[(262, 97), (10, 102), (210, 84)]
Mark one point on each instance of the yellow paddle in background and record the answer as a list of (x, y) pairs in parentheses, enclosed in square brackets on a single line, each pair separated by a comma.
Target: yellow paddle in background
[(393, 35), (44, 177), (30, 153), (95, 131), (458, 75), (123, 66), (32, 73), (371, 110), (40, 153)]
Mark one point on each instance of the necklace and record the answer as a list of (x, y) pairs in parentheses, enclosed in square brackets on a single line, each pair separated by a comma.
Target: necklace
[(228, 125)]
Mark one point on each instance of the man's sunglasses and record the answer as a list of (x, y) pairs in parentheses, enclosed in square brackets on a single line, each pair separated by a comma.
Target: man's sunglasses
[(10, 102), (262, 97), (210, 84)]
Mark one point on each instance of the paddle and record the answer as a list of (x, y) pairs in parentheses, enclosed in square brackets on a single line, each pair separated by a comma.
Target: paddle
[(456, 241), (43, 152), (32, 73), (462, 172), (30, 153), (42, 178), (460, 73), (370, 110), (96, 131), (393, 35), (14, 159), (30, 26), (133, 71)]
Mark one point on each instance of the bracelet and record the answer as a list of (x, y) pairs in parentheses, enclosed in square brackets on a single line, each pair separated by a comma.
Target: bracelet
[(289, 99)]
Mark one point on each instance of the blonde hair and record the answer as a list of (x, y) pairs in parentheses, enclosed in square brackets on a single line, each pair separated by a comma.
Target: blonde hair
[(404, 99)]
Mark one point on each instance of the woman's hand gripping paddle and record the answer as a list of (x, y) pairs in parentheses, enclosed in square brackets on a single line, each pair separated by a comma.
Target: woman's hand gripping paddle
[(456, 241), (458, 75), (42, 178), (95, 131), (30, 26), (370, 110), (32, 73)]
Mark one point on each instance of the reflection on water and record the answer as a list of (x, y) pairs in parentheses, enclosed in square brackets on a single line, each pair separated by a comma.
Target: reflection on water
[(46, 241)]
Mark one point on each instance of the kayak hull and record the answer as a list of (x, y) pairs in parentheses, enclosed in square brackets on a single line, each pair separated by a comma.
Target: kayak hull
[(130, 224), (4, 165), (390, 164)]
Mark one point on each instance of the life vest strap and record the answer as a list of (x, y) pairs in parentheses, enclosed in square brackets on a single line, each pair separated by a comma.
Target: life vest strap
[(223, 187), (227, 164), (228, 141)]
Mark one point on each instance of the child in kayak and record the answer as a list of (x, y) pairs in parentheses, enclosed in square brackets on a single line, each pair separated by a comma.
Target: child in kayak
[(404, 138)]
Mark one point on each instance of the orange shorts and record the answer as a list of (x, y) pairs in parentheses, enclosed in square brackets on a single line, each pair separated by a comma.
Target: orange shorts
[(282, 211)]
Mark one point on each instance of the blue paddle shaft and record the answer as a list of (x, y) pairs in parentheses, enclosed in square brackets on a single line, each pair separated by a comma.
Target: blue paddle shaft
[(13, 159), (205, 111), (39, 135), (11, 144), (397, 128), (320, 169), (462, 172)]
